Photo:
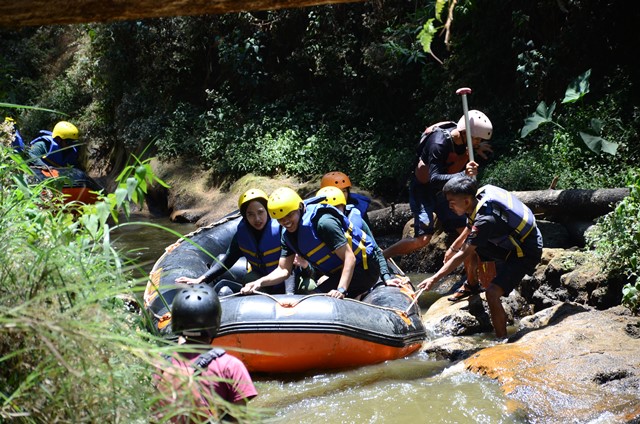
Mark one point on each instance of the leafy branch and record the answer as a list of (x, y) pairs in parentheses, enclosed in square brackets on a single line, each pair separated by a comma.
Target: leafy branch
[(575, 91)]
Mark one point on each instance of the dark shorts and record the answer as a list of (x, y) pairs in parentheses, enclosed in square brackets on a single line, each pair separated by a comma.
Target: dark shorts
[(509, 273), (422, 204)]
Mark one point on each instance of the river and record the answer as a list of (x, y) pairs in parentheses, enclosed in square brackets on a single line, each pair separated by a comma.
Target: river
[(415, 389)]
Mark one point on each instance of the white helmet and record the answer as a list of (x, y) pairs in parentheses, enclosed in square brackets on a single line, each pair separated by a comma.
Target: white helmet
[(480, 125)]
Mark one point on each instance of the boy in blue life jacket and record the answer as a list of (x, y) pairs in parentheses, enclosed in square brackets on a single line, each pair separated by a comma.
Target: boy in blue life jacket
[(342, 181), (499, 228), (56, 148)]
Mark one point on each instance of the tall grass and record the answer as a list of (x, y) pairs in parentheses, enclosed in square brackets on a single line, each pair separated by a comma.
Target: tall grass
[(73, 347)]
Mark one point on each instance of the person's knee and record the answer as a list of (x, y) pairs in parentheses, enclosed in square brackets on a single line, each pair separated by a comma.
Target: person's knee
[(494, 293)]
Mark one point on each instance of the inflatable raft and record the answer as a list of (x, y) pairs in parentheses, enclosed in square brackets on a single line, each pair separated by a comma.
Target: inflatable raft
[(289, 333), (75, 185)]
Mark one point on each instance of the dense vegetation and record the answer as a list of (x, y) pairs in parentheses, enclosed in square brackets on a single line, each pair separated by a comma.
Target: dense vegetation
[(70, 347), (347, 87)]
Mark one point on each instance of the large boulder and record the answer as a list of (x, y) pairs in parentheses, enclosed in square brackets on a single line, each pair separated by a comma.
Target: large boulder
[(570, 364)]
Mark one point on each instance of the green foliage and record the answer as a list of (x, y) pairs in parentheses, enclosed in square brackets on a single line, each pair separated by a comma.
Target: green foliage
[(324, 77), (616, 239), (631, 296), (70, 349), (575, 91), (429, 29)]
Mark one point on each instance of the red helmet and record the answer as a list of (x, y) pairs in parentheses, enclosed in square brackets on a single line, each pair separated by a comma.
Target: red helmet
[(336, 179)]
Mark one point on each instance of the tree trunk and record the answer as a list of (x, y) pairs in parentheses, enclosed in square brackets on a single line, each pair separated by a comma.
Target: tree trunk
[(572, 205), (553, 205), (54, 12)]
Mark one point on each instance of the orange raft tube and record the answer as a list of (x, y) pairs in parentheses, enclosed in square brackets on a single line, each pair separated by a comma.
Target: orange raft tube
[(75, 185), (291, 333)]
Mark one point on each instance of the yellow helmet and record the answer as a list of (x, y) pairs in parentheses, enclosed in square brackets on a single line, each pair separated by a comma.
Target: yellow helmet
[(334, 195), (336, 179), (65, 130), (251, 194), (282, 202)]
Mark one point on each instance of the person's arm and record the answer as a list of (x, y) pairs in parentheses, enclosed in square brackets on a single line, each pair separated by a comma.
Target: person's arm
[(345, 253), (217, 269), (387, 277), (277, 276), (36, 152), (448, 267), (241, 383), (481, 230), (457, 244), (331, 232)]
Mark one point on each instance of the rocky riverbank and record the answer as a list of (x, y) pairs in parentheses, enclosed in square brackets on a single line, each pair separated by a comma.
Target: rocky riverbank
[(572, 354)]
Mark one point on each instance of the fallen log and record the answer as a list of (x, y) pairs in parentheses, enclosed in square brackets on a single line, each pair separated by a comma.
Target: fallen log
[(572, 205), (54, 12), (553, 205)]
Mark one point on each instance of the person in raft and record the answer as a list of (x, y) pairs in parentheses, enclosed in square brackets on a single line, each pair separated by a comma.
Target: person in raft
[(335, 197), (342, 181), (209, 374), (257, 239), (322, 235), (58, 148), (499, 228)]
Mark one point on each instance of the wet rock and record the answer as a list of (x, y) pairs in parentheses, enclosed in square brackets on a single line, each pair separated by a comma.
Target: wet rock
[(555, 234), (187, 215), (577, 365), (454, 348), (468, 316), (549, 316)]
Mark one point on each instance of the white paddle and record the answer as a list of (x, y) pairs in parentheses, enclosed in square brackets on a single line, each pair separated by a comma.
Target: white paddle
[(465, 108)]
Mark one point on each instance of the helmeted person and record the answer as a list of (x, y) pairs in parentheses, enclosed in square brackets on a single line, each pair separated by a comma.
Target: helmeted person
[(197, 377), (500, 228), (342, 181), (324, 236), (257, 239), (58, 148), (442, 156), (335, 197)]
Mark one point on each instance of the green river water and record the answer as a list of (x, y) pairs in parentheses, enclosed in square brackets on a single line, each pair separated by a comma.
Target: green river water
[(417, 389)]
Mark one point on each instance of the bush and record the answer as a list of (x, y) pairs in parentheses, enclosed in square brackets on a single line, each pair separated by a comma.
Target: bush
[(70, 348), (616, 239)]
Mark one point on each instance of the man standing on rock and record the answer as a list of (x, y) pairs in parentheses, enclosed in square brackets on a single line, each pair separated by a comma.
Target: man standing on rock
[(500, 228)]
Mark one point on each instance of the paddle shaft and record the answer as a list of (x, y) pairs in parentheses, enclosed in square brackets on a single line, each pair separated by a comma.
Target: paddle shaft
[(465, 108)]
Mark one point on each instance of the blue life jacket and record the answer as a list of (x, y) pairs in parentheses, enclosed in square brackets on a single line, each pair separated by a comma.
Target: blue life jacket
[(354, 215), (316, 251), (360, 201), (512, 211), (17, 143), (263, 254), (55, 155)]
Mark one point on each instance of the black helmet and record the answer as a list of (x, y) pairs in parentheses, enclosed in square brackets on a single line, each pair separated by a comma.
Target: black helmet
[(196, 311)]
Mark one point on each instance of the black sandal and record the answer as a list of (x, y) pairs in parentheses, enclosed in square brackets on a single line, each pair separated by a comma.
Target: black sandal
[(464, 291)]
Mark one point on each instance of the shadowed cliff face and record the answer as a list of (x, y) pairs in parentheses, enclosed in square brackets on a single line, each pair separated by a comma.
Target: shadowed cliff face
[(54, 12), (578, 366)]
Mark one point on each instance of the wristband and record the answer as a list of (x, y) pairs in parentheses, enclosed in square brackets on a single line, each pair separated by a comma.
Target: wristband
[(342, 290), (455, 250)]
